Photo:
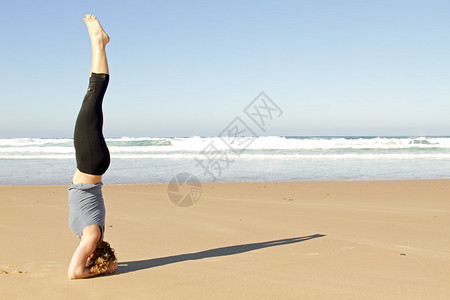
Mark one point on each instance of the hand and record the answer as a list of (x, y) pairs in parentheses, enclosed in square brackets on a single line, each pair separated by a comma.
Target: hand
[(89, 259)]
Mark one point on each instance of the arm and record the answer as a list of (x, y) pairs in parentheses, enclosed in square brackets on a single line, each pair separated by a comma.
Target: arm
[(77, 267)]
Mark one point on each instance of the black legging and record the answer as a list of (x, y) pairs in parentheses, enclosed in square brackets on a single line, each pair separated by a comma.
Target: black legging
[(92, 154)]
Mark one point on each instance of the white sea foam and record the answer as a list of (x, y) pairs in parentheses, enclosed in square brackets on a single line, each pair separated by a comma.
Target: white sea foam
[(274, 147), (24, 142), (232, 156), (145, 159)]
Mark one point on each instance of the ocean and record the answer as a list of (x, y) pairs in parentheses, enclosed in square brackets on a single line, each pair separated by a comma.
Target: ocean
[(46, 161)]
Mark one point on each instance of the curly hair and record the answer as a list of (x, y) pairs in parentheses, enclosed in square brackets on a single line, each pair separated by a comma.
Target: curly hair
[(102, 259)]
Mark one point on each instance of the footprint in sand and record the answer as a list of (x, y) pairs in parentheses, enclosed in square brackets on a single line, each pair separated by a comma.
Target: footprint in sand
[(40, 268), (10, 269)]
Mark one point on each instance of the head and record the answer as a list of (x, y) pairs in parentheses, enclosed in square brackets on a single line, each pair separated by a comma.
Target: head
[(101, 259)]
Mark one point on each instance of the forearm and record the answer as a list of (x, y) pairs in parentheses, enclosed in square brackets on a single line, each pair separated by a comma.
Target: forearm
[(77, 267), (85, 273), (80, 274)]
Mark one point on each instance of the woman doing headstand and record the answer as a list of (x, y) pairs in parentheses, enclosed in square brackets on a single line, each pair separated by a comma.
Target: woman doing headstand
[(93, 256)]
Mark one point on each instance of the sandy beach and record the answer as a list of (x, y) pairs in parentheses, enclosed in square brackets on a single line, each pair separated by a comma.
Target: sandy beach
[(262, 240)]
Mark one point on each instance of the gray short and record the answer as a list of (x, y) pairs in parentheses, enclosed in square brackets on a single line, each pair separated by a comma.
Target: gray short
[(86, 207)]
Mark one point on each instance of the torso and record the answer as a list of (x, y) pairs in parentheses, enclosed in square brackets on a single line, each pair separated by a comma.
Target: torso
[(80, 177)]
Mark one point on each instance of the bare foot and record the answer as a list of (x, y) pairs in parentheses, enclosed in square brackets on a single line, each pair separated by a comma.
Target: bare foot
[(97, 34)]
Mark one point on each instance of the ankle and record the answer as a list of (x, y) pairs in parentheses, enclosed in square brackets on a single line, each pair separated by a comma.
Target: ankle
[(98, 49)]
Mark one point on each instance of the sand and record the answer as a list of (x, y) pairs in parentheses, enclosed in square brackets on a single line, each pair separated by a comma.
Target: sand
[(277, 240)]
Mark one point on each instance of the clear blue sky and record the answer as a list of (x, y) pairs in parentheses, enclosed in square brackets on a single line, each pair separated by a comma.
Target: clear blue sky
[(184, 68)]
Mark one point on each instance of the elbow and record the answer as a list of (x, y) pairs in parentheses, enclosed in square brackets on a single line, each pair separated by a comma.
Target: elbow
[(71, 276), (74, 274)]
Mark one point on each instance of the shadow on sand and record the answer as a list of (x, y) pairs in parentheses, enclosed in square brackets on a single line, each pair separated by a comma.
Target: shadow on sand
[(131, 266)]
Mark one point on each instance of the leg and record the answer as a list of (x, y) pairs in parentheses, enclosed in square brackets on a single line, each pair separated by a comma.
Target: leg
[(99, 39), (91, 151)]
